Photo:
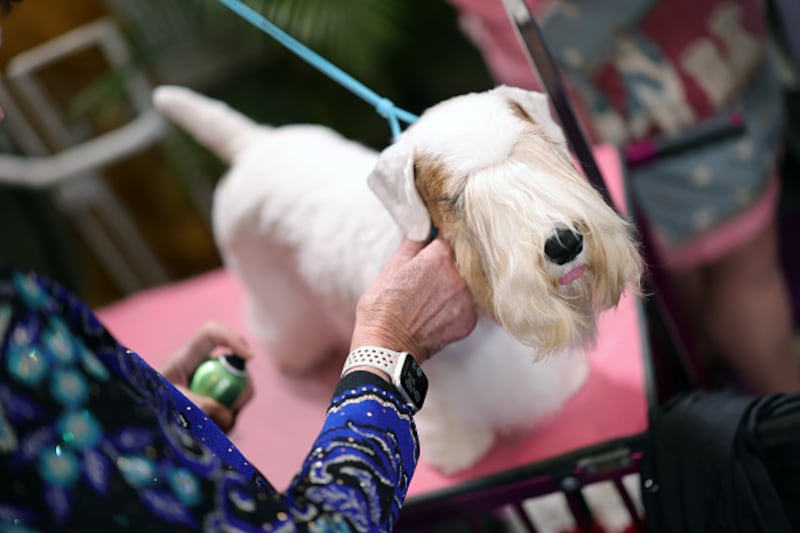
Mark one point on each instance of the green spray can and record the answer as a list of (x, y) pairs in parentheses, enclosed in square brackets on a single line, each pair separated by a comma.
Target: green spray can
[(222, 379)]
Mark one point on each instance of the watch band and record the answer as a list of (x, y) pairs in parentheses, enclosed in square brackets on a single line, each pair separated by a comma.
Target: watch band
[(401, 368), (375, 357)]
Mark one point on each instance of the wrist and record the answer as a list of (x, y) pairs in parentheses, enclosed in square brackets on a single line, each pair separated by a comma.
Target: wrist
[(374, 336), (363, 368), (400, 369)]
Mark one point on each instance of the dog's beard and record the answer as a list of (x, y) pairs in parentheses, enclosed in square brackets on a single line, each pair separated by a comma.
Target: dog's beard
[(498, 217), (528, 294), (547, 315)]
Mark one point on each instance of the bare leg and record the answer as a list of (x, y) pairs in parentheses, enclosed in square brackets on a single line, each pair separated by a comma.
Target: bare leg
[(689, 289), (749, 315)]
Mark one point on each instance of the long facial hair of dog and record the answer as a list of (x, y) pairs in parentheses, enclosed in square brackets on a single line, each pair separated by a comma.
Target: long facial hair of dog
[(492, 216)]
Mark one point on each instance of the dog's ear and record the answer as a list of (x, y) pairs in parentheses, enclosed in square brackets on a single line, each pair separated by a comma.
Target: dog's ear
[(392, 181), (537, 107)]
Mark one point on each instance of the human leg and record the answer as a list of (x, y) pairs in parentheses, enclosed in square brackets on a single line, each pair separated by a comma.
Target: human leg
[(749, 317), (688, 298)]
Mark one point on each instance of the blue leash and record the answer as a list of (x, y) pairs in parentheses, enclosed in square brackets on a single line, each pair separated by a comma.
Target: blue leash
[(383, 106)]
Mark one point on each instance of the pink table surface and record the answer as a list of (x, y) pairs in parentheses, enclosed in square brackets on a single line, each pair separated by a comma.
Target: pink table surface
[(276, 430)]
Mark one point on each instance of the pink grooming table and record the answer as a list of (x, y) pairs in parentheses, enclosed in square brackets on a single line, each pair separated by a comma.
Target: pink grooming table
[(276, 430)]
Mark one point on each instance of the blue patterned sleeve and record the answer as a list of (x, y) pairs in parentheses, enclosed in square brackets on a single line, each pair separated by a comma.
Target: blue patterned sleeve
[(359, 469), (94, 439)]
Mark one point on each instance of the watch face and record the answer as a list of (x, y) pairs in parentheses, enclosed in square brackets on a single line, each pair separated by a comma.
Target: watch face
[(414, 381)]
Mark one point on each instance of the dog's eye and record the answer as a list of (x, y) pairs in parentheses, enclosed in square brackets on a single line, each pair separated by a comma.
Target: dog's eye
[(451, 202)]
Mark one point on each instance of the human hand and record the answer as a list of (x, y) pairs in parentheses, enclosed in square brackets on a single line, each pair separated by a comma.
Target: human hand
[(419, 303), (180, 366)]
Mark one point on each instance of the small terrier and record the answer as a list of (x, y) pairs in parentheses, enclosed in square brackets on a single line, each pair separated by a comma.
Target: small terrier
[(542, 253)]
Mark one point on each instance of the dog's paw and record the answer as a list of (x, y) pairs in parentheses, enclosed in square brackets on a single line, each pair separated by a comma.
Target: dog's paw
[(453, 451)]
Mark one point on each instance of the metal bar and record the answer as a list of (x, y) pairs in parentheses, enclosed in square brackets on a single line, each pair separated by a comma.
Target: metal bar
[(636, 520), (550, 79), (523, 516)]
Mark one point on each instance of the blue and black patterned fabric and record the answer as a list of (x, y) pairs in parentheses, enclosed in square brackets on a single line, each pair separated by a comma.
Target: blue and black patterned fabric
[(93, 439)]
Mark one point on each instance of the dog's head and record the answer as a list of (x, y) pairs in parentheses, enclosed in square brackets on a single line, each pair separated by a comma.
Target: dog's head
[(541, 251)]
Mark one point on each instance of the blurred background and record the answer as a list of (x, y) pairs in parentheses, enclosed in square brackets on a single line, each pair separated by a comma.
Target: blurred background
[(73, 71)]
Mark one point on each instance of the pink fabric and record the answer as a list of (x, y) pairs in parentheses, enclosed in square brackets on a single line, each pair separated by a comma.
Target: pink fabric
[(277, 429)]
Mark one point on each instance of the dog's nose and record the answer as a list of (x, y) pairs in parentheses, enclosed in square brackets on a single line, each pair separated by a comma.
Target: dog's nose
[(564, 246)]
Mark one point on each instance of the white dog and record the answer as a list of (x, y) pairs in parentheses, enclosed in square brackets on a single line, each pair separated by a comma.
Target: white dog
[(542, 253)]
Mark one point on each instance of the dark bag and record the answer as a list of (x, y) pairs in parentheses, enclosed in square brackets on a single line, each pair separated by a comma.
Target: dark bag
[(724, 462)]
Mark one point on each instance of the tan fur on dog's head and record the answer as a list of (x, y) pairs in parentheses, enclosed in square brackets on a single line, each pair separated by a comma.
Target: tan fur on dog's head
[(494, 174)]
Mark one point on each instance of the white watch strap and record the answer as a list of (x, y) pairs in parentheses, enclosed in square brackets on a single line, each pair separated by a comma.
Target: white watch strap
[(375, 357)]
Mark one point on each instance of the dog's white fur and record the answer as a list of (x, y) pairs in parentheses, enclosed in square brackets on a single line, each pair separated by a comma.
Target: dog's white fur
[(296, 223)]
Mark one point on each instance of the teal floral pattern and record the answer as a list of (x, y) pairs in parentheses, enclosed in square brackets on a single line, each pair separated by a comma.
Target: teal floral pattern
[(93, 439)]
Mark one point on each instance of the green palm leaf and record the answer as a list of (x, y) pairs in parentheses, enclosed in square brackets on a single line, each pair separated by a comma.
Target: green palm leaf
[(354, 34)]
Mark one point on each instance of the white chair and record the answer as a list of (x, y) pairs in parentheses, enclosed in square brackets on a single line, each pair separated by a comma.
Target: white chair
[(58, 159)]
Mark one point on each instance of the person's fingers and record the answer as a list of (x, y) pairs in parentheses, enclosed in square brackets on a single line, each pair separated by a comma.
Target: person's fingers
[(420, 305), (221, 415), (463, 319), (179, 367), (436, 248), (407, 250), (213, 335)]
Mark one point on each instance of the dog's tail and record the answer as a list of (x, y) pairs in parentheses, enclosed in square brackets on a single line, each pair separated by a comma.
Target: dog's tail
[(212, 123)]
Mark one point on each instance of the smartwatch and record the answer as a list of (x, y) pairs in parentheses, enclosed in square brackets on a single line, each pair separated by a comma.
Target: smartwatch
[(403, 370)]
